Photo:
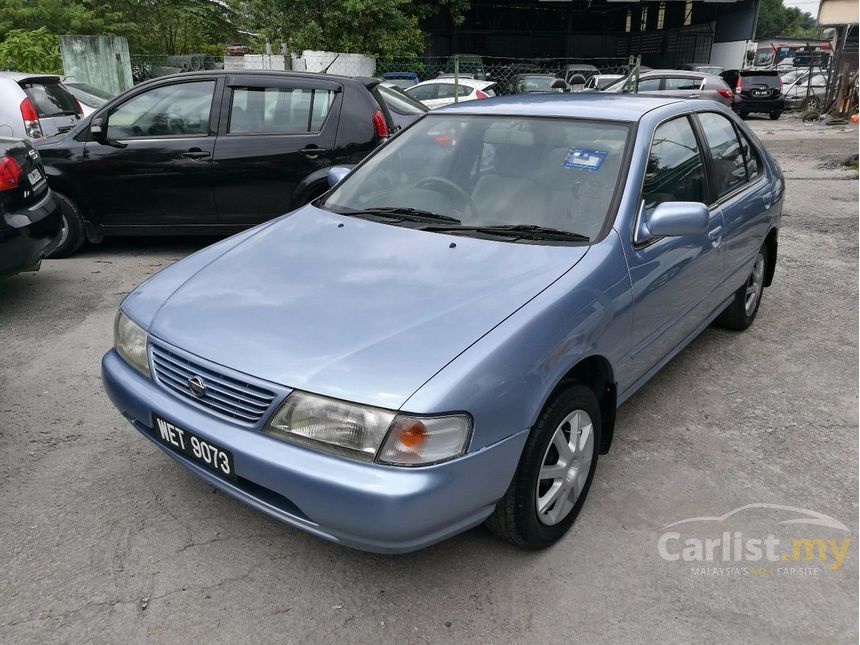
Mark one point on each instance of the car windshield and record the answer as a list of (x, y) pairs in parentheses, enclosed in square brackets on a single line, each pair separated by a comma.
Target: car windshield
[(50, 98), (400, 102), (490, 171), (535, 83), (760, 78)]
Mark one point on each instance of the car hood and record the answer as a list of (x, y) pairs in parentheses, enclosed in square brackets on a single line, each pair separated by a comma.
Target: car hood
[(346, 307)]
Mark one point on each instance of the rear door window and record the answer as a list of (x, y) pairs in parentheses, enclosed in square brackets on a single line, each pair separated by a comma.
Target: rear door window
[(278, 110), (675, 171), (729, 168), (50, 98), (424, 92), (649, 84), (682, 83), (751, 158)]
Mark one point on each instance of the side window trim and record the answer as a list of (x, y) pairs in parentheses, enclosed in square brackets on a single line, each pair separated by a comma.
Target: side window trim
[(213, 109)]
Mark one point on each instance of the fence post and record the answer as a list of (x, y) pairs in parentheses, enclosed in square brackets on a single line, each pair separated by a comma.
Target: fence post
[(456, 77)]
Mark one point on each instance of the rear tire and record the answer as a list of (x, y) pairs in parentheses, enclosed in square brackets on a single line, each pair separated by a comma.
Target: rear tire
[(73, 235), (742, 311), (554, 473), (775, 115)]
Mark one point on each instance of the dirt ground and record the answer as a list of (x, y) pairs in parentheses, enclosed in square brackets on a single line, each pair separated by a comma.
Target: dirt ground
[(105, 539)]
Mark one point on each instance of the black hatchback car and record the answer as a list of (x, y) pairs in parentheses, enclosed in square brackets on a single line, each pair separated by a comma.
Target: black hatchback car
[(209, 152), (756, 90), (30, 223)]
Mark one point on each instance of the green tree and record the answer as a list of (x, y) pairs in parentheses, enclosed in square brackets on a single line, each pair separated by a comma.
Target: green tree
[(36, 50), (374, 27), (775, 19), (60, 17)]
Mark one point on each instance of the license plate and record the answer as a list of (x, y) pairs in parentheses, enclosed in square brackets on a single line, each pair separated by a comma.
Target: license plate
[(35, 177), (761, 92), (200, 450)]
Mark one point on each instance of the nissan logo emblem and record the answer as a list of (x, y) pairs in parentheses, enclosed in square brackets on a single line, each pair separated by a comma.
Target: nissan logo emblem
[(195, 384)]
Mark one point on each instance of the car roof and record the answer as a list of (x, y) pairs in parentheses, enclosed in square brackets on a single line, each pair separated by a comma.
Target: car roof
[(588, 105), (23, 76), (367, 81), (449, 80)]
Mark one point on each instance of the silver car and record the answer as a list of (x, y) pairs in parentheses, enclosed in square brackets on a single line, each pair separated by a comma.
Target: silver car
[(33, 106), (683, 84)]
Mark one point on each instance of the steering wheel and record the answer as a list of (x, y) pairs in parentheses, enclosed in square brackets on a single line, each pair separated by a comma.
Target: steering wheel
[(435, 182)]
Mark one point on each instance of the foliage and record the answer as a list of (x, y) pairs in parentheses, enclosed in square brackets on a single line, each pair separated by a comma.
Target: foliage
[(775, 19), (36, 50), (374, 27)]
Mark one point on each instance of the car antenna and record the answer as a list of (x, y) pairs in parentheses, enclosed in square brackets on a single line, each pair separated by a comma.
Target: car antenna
[(325, 71)]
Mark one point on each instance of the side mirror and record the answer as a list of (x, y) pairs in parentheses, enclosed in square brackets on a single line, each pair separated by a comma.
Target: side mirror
[(559, 84), (672, 219), (97, 128), (336, 174), (98, 131)]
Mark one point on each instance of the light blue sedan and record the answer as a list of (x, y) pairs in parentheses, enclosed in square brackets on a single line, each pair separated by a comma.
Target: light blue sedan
[(443, 339)]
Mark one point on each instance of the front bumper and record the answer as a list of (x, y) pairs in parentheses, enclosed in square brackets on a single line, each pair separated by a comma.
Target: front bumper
[(362, 505), (29, 235)]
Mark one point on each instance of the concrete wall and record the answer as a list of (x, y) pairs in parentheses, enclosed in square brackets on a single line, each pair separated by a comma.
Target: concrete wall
[(100, 61), (344, 64), (255, 61), (729, 55)]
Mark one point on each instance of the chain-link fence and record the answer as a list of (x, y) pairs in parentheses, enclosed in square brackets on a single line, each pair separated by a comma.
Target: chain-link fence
[(502, 71)]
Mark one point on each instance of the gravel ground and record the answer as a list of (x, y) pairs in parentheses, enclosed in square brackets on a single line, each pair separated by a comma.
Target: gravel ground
[(107, 540)]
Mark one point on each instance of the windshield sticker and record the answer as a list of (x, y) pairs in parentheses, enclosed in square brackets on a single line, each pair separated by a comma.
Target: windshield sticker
[(584, 159)]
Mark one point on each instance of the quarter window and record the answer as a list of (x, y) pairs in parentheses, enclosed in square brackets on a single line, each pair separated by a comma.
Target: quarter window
[(729, 167), (278, 110), (751, 157), (170, 110), (675, 171)]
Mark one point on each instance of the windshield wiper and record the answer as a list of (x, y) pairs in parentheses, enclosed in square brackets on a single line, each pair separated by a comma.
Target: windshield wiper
[(402, 213), (530, 231)]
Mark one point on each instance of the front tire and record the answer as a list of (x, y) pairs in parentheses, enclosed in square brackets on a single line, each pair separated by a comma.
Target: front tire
[(554, 474), (742, 311), (72, 235)]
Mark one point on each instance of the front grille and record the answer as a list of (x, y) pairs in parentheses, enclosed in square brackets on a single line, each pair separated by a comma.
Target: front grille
[(223, 394)]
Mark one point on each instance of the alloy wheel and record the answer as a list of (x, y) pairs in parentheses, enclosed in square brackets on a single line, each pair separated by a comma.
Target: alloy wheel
[(754, 285), (564, 469)]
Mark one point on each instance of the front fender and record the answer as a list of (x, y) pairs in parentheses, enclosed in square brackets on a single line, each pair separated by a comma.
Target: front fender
[(505, 378)]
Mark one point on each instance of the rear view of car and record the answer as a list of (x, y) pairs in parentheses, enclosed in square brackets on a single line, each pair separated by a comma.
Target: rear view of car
[(756, 90), (30, 223), (35, 105)]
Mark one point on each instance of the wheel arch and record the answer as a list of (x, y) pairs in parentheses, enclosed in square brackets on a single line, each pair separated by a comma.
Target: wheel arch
[(596, 372), (771, 243), (310, 187)]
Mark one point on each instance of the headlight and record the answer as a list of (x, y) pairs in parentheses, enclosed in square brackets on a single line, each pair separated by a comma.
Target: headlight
[(130, 342), (366, 433)]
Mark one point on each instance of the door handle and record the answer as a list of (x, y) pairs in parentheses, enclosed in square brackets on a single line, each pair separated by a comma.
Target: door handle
[(716, 235), (196, 153), (312, 152), (767, 198)]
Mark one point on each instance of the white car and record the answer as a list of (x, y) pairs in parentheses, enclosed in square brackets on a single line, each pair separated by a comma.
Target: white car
[(35, 105), (439, 92)]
